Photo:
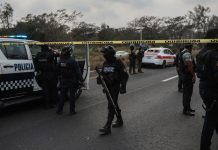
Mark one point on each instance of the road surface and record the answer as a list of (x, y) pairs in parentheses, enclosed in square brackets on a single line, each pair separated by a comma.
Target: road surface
[(152, 113)]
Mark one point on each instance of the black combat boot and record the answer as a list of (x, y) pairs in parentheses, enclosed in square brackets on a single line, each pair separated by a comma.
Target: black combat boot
[(119, 121), (105, 130)]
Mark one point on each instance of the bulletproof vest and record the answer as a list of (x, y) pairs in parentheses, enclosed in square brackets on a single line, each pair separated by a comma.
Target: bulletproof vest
[(67, 69), (209, 71), (201, 59), (111, 72), (46, 62), (132, 56), (140, 55)]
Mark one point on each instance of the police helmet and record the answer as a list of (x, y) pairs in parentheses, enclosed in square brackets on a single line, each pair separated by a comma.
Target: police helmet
[(45, 48), (66, 50), (132, 46), (108, 50)]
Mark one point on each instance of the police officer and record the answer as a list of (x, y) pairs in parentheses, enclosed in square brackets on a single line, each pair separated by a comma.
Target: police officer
[(208, 88), (132, 59), (180, 85), (188, 77), (70, 77), (115, 77), (139, 56), (45, 65)]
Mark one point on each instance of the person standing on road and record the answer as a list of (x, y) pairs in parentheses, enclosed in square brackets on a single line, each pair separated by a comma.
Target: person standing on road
[(188, 77), (139, 56), (207, 71), (70, 77), (132, 59), (115, 77), (45, 65), (180, 85)]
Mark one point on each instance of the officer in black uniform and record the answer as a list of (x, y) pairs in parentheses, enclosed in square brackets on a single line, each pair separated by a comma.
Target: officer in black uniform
[(139, 56), (132, 59), (70, 77), (45, 66), (208, 88), (115, 76), (188, 77), (180, 85)]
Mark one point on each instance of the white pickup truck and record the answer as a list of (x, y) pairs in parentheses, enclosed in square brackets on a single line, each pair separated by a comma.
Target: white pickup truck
[(17, 73)]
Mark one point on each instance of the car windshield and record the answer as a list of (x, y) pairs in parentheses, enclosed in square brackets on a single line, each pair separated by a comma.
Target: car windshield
[(153, 51), (120, 52)]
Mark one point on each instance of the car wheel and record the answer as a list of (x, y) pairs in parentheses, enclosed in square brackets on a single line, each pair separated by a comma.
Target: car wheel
[(164, 64)]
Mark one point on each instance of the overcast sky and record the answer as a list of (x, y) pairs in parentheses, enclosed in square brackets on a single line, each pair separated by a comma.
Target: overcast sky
[(116, 13)]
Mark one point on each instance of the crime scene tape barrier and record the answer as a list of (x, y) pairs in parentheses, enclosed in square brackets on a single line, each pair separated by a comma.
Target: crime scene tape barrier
[(176, 41)]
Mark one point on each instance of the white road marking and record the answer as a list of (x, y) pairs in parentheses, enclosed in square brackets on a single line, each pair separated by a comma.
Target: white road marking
[(170, 78)]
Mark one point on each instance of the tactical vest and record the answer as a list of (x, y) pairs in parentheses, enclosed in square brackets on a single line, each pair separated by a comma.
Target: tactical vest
[(46, 62), (202, 58), (111, 72), (67, 69)]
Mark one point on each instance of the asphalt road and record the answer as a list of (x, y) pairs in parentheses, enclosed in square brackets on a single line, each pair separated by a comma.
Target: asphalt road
[(152, 113)]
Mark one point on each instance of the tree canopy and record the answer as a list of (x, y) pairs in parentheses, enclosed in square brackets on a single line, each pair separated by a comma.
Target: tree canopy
[(62, 25)]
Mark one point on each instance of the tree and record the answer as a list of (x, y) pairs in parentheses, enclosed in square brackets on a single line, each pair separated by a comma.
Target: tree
[(106, 33), (176, 27), (6, 15), (199, 18), (213, 22), (48, 27), (151, 26), (85, 31)]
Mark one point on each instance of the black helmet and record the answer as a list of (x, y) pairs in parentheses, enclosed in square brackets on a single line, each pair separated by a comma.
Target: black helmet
[(66, 50), (132, 46), (45, 48), (108, 50)]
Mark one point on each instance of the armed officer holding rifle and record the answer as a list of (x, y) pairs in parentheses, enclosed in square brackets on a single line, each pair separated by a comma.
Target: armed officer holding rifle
[(115, 77)]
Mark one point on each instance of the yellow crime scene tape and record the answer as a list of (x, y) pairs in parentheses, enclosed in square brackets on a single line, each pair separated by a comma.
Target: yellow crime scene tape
[(176, 41)]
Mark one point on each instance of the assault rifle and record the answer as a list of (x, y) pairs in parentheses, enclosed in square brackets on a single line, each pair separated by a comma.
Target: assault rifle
[(105, 88)]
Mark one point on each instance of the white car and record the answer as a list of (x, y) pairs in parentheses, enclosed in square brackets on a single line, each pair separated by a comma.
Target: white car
[(159, 56), (121, 54)]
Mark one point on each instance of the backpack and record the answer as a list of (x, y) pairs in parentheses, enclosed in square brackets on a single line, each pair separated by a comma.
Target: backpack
[(201, 60)]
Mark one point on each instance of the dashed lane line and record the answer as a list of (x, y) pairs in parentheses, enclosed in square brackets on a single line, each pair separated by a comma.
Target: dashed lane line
[(168, 79)]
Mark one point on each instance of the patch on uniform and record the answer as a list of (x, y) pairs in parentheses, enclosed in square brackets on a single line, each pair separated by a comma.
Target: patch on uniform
[(108, 69), (63, 65)]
